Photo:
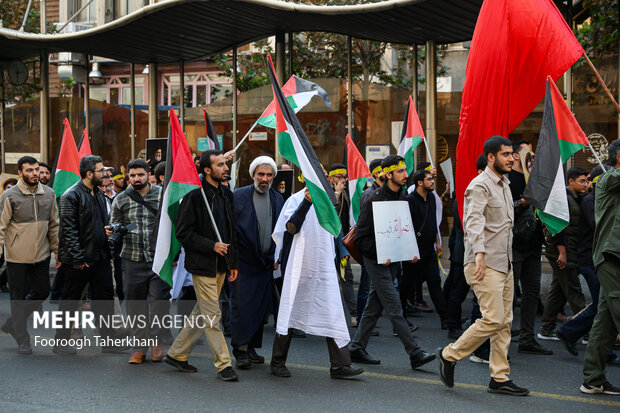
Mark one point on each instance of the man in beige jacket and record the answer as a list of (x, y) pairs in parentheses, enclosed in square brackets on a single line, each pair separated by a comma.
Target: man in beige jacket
[(29, 233)]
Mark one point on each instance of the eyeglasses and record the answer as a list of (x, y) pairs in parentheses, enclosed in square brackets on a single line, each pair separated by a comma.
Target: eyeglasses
[(582, 181)]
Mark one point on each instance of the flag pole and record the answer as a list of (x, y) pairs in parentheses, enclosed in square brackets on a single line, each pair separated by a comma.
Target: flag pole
[(217, 232), (596, 156), (428, 153), (245, 137), (600, 80)]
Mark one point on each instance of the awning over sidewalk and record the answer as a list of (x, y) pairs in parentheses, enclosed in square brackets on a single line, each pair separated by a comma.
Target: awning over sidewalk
[(190, 30)]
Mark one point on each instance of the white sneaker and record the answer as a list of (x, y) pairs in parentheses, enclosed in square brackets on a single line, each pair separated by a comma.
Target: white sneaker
[(605, 388), (475, 359)]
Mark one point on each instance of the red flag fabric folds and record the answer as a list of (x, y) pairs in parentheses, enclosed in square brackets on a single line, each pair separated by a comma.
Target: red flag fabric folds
[(516, 45)]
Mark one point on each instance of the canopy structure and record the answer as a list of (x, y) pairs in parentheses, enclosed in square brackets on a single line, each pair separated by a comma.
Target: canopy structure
[(189, 30)]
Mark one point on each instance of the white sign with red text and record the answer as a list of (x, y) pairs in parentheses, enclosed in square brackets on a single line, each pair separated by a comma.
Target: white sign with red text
[(394, 232)]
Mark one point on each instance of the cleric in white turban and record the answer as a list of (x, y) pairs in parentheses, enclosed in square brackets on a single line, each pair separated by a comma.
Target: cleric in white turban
[(257, 208)]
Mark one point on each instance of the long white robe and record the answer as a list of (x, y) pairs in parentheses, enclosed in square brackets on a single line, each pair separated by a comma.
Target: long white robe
[(310, 299)]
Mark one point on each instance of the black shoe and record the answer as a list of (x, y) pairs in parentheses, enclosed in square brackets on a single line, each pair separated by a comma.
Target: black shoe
[(228, 374), (455, 334), (297, 333), (281, 371), (24, 348), (534, 348), (613, 360), (243, 359), (605, 388), (506, 387), (375, 332), (515, 332), (64, 350), (411, 311), (421, 359), (183, 366), (255, 357), (446, 369), (361, 356), (444, 324), (7, 327), (114, 349), (570, 347), (344, 372)]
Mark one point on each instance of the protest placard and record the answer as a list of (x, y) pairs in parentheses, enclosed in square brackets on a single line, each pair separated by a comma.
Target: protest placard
[(394, 232)]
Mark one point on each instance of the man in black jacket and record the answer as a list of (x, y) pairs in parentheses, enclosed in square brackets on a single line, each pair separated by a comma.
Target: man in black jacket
[(383, 294), (208, 259), (84, 252)]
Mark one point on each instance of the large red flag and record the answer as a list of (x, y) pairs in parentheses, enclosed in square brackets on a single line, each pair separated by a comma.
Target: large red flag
[(516, 45)]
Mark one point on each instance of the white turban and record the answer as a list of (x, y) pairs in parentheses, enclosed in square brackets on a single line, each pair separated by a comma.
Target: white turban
[(263, 160)]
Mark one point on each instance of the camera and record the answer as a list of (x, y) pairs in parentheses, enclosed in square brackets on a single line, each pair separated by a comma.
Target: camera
[(119, 231)]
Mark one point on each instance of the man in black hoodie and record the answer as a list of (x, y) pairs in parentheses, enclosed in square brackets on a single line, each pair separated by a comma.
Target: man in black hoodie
[(383, 294), (208, 259)]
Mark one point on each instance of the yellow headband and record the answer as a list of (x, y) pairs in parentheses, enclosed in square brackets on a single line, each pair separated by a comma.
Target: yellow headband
[(377, 171), (115, 177), (428, 168), (596, 179), (394, 167), (338, 172), (301, 178)]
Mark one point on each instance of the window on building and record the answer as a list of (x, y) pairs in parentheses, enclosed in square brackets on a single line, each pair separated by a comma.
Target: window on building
[(117, 91), (200, 89), (124, 7), (88, 15)]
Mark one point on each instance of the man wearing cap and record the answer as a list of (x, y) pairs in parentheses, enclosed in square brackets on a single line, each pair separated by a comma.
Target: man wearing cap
[(257, 208)]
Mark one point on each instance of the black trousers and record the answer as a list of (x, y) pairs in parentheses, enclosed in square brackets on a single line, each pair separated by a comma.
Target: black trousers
[(29, 286), (427, 269), (99, 275), (338, 356), (455, 291)]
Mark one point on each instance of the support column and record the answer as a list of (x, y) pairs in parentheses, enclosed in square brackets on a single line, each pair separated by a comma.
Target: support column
[(87, 97), (132, 110), (153, 98), (291, 39), (44, 115), (182, 94), (234, 102), (2, 108), (431, 99), (349, 89)]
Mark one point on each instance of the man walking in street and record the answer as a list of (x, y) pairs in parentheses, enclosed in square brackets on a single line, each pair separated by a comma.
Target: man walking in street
[(208, 260), (257, 208), (383, 294), (606, 256), (562, 254), (423, 215), (83, 249), (143, 289), (29, 233), (487, 221), (526, 250)]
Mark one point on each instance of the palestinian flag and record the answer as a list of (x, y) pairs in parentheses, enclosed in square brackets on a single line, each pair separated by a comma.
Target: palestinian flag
[(298, 92), (359, 174), (412, 135), (211, 135), (67, 170), (181, 179), (295, 147), (84, 145), (560, 137)]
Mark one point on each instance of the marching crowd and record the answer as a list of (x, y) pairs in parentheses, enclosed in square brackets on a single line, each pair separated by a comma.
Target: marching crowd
[(250, 253)]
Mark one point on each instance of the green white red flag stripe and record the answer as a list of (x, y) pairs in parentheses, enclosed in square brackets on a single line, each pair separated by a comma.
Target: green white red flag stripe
[(211, 135), (411, 136), (358, 173), (294, 146), (298, 92), (560, 137), (181, 179), (84, 145), (67, 171)]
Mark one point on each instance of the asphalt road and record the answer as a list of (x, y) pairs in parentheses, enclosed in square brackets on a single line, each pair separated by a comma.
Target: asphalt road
[(91, 381)]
